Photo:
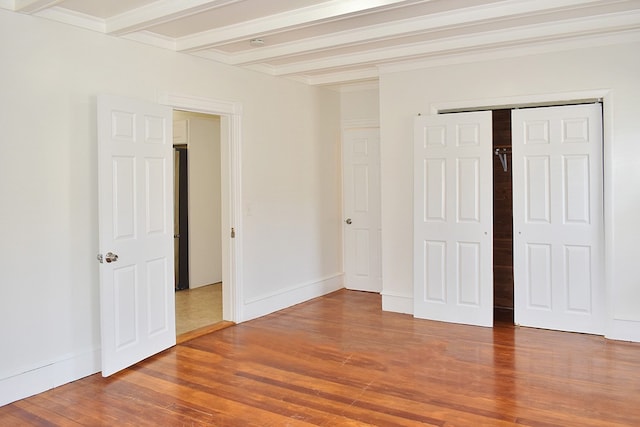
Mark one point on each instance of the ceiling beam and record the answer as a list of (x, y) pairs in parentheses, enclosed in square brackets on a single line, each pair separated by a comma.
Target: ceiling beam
[(326, 11), (524, 35), (406, 27), (159, 12), (33, 6)]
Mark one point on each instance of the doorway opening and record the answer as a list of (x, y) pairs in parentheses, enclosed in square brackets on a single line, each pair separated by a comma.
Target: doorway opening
[(198, 221)]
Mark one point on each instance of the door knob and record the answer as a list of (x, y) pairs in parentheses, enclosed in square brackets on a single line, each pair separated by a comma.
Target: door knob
[(111, 257), (348, 221)]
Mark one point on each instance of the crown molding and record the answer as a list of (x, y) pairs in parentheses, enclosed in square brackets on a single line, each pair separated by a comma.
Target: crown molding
[(363, 74), (70, 17), (159, 12), (152, 39), (33, 6)]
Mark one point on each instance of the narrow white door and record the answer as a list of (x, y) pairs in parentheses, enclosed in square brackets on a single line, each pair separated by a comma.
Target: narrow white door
[(135, 161), (453, 224), (558, 218), (361, 192)]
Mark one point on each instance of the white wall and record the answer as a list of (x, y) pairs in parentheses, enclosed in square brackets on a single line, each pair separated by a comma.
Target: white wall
[(360, 105), (205, 240), (49, 79), (611, 69)]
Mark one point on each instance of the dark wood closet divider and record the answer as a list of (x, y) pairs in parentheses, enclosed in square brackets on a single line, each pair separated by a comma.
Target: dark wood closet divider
[(502, 214)]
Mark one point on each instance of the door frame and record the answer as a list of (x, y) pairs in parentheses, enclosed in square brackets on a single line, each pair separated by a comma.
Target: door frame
[(565, 98), (231, 142), (347, 125)]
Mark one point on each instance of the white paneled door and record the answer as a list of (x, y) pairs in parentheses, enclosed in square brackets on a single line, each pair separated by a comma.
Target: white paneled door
[(361, 192), (136, 231), (453, 224), (558, 218)]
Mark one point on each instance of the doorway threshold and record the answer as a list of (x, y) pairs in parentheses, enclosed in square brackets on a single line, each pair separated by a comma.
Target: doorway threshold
[(187, 336)]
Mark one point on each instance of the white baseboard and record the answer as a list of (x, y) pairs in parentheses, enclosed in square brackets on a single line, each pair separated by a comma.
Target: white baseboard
[(397, 303), (623, 330), (295, 295), (49, 376)]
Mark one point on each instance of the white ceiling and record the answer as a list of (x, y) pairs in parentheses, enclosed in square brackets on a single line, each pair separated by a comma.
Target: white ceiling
[(333, 42)]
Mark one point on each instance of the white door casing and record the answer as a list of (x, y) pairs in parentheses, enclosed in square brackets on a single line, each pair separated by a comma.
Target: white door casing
[(135, 162), (558, 218), (453, 223), (361, 201), (230, 113)]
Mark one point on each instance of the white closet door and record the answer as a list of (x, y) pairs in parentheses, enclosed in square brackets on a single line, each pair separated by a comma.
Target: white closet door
[(135, 162), (558, 218), (453, 223)]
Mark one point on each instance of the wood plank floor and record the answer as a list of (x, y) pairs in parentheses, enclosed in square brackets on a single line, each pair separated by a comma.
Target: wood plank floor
[(340, 361)]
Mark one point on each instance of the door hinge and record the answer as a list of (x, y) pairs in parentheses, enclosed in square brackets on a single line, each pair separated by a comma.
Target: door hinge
[(233, 233)]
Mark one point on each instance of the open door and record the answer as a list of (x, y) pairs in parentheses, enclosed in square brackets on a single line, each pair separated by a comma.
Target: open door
[(135, 160), (453, 224)]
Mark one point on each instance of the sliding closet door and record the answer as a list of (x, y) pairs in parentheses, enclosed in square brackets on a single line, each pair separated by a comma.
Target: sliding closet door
[(558, 218), (453, 225)]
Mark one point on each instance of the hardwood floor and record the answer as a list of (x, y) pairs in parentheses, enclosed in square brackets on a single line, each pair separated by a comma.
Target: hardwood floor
[(340, 361)]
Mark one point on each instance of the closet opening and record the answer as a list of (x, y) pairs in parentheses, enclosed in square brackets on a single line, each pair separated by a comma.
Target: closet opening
[(503, 302)]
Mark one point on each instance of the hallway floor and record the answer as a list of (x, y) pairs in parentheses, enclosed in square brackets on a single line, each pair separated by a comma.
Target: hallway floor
[(198, 307)]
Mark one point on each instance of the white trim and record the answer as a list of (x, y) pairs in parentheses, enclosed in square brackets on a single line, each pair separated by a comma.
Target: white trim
[(50, 375), (285, 298), (33, 6), (327, 11), (587, 32), (200, 105), (360, 123), (151, 39), (422, 24), (623, 330), (160, 12), (397, 303), (71, 17), (519, 101), (362, 75), (359, 86), (232, 289)]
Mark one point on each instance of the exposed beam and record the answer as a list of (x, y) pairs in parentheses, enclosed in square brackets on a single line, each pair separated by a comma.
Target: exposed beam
[(33, 6), (531, 34), (433, 22), (159, 12), (326, 11)]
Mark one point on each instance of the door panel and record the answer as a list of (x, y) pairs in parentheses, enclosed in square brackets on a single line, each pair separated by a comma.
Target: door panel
[(361, 192), (557, 217), (453, 247), (136, 223)]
